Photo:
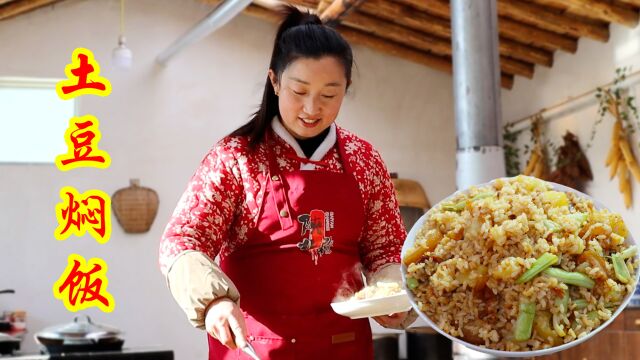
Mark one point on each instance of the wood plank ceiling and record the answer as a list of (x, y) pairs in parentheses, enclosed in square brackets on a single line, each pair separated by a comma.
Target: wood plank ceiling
[(530, 31), (11, 8)]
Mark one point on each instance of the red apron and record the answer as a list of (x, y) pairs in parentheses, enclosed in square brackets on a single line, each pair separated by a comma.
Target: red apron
[(303, 250)]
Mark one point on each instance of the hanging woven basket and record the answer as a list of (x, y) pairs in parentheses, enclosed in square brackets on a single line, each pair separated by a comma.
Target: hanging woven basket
[(135, 207)]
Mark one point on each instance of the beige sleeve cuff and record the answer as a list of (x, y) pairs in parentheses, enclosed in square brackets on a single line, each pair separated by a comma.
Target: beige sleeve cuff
[(195, 281)]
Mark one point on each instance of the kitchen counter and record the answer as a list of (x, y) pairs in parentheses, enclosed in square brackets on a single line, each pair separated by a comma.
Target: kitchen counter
[(124, 354)]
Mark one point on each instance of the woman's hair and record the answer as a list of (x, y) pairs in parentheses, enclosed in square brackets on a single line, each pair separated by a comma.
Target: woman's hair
[(300, 35)]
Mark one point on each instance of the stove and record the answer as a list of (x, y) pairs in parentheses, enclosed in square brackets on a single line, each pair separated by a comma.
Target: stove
[(124, 354)]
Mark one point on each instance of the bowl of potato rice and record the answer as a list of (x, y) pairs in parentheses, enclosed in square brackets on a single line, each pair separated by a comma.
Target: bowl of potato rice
[(519, 267)]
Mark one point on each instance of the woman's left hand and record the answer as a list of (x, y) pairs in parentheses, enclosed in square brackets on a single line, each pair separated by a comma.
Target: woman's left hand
[(393, 321), (391, 273)]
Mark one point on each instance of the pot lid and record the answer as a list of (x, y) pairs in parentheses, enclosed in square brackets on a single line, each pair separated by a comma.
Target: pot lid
[(81, 328), (4, 338)]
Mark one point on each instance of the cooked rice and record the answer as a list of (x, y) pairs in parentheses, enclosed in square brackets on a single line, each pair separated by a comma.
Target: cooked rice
[(471, 256), (378, 290)]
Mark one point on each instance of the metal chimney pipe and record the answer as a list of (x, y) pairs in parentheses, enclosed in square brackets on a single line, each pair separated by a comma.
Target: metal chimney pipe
[(476, 76), (221, 15)]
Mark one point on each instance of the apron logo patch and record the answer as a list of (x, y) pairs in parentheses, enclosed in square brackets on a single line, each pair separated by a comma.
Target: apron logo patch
[(315, 226)]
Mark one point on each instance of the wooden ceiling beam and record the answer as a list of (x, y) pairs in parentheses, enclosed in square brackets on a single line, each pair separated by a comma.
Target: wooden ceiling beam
[(338, 9), (437, 62), (635, 3), (402, 14), (532, 35), (539, 16), (397, 33), (260, 12), (605, 11), (507, 28), (525, 52), (421, 21), (422, 41), (22, 6), (355, 36), (441, 63), (323, 5), (418, 40), (516, 67)]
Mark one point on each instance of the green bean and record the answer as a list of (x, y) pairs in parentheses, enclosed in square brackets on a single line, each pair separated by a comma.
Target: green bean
[(412, 283), (580, 304), (455, 207), (551, 226), (483, 195), (524, 324), (543, 262), (459, 206), (620, 268), (579, 217), (630, 252), (571, 278)]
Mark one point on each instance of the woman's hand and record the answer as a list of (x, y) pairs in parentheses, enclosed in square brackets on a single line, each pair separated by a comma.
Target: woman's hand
[(225, 322), (393, 321), (391, 273)]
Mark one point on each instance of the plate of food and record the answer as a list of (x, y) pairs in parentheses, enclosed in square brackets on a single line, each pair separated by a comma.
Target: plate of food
[(381, 298), (519, 267)]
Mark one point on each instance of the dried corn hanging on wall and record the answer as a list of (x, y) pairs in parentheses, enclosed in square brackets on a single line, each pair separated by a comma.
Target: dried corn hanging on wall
[(621, 160), (537, 164)]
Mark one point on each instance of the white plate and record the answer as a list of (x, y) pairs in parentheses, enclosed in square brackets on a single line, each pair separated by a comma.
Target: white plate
[(499, 353), (358, 309)]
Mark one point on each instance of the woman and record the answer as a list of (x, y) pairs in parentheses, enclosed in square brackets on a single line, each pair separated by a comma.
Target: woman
[(296, 207)]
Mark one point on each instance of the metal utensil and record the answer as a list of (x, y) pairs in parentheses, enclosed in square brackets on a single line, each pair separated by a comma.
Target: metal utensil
[(248, 349)]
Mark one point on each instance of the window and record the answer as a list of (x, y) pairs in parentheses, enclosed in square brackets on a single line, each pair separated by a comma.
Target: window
[(33, 120)]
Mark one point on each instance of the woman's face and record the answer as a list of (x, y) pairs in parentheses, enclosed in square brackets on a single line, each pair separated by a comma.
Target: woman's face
[(310, 92)]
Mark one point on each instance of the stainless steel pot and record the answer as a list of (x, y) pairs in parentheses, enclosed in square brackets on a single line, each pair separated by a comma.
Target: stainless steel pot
[(80, 335), (8, 343)]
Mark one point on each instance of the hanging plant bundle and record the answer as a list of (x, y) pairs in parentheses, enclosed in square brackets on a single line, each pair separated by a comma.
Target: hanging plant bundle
[(621, 160), (572, 166), (511, 150), (537, 164)]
